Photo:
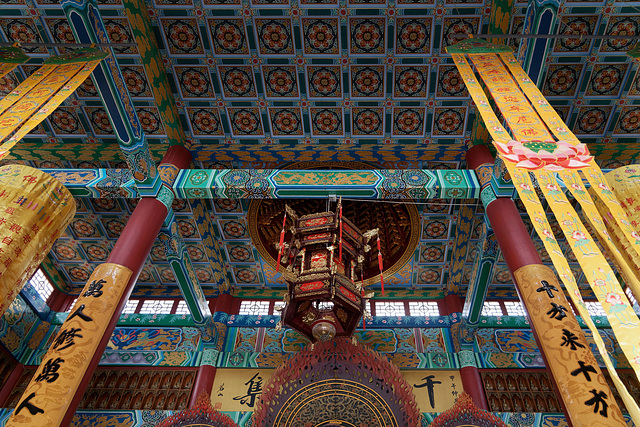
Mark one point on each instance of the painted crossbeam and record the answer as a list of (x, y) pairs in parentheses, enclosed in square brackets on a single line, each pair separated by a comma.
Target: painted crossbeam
[(276, 183), (362, 184), (97, 183)]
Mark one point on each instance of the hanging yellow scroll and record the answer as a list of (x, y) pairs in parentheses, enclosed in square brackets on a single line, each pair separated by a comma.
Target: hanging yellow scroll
[(10, 58), (39, 95), (531, 146), (34, 210), (625, 184)]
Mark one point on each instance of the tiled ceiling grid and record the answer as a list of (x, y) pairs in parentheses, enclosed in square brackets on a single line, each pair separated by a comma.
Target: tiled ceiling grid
[(274, 71)]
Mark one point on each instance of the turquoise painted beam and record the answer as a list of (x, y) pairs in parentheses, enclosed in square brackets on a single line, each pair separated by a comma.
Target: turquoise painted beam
[(480, 277), (362, 184), (180, 263), (87, 26)]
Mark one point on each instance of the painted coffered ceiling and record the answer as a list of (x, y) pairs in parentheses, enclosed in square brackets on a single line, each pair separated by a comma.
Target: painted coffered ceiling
[(366, 74)]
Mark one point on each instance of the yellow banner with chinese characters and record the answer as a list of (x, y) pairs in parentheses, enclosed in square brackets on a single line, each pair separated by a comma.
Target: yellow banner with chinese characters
[(240, 389), (531, 146), (34, 209), (47, 397)]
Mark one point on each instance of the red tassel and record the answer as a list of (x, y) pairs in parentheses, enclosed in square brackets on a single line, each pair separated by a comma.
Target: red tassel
[(340, 250), (281, 244), (380, 266), (364, 326)]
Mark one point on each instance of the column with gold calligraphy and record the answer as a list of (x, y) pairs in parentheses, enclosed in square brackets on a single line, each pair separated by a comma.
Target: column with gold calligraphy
[(530, 145), (57, 387), (34, 209), (56, 379)]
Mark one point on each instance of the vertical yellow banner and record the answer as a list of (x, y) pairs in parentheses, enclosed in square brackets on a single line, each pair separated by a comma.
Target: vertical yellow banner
[(49, 107), (31, 101), (54, 384), (526, 190), (26, 86)]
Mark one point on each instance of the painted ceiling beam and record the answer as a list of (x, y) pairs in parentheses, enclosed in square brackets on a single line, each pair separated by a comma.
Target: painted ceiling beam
[(481, 276), (87, 25), (407, 155), (540, 18), (185, 275), (464, 227), (499, 22), (204, 222), (287, 184), (142, 30)]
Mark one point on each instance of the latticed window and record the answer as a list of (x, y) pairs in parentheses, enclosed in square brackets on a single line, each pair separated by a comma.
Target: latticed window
[(130, 307), (492, 308), (156, 306), (514, 308), (182, 308), (41, 284), (390, 308), (424, 308), (595, 309), (73, 303), (255, 308)]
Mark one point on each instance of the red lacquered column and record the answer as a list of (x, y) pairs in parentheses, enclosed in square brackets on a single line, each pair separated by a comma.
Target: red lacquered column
[(207, 371), (470, 375), (131, 251)]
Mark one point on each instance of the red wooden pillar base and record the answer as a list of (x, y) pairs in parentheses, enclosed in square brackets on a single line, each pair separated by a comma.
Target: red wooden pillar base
[(10, 384), (472, 384), (203, 384), (471, 380)]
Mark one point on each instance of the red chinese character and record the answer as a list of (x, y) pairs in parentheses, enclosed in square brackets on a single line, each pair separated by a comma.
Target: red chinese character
[(15, 228), (30, 179), (524, 120), (18, 250), (35, 228), (26, 239), (516, 109), (7, 262), (7, 240), (529, 131), (10, 211), (3, 194), (3, 221), (510, 98)]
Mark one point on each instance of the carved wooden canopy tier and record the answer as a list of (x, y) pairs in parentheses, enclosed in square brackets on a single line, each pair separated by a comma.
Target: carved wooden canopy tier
[(324, 263)]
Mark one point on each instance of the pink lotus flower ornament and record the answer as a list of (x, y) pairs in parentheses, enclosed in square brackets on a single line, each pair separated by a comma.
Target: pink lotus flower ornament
[(549, 155)]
